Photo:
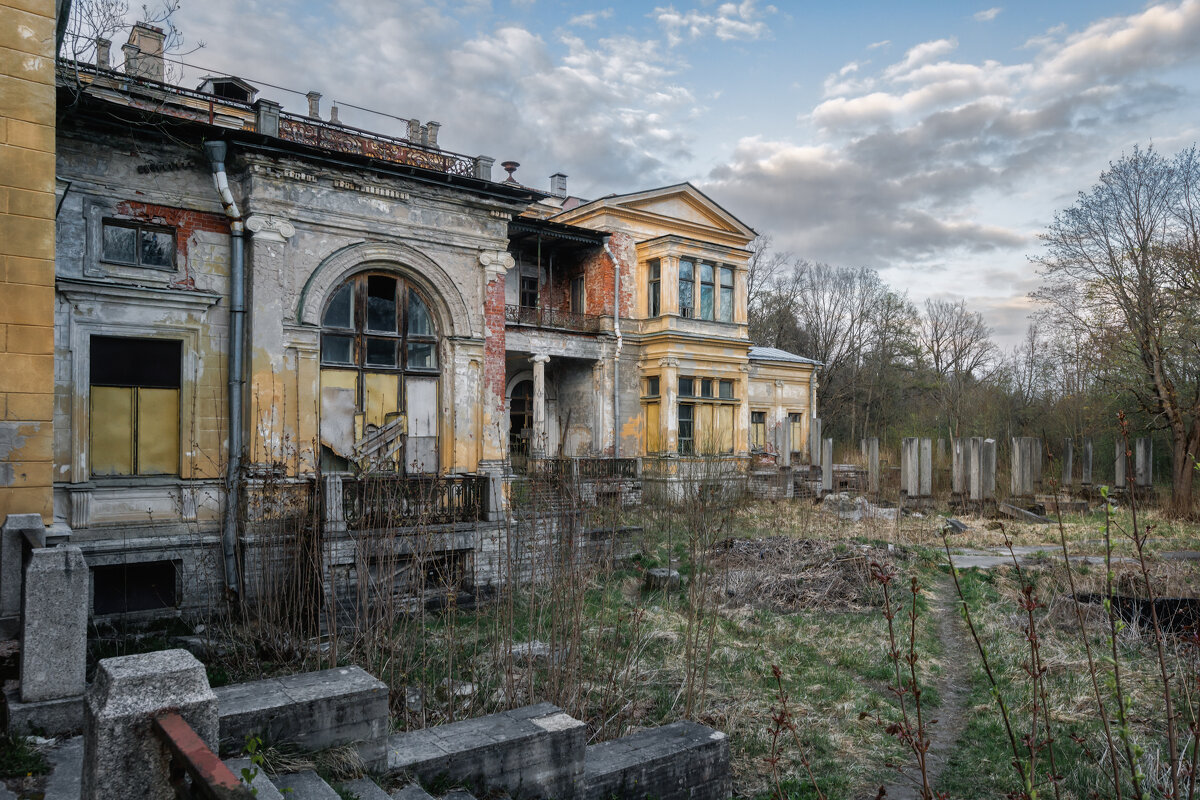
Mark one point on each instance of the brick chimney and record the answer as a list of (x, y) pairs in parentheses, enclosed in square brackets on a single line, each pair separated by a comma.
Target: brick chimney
[(103, 53), (144, 52), (558, 184), (314, 104)]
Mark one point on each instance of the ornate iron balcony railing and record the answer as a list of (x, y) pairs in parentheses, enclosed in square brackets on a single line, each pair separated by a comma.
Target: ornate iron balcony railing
[(552, 318)]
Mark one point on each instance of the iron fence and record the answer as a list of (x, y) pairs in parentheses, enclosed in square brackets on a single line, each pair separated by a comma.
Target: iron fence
[(552, 318), (397, 501)]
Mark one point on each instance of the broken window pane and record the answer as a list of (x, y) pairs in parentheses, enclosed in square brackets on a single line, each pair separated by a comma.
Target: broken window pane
[(340, 313), (120, 244), (419, 323), (158, 249), (422, 355), (381, 352), (381, 304), (337, 349)]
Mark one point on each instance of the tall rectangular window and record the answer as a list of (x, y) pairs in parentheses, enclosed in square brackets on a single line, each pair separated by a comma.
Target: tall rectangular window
[(134, 410), (796, 431), (687, 428), (577, 297), (138, 245), (686, 387), (706, 291), (687, 289), (758, 430), (726, 294), (653, 440), (529, 291), (725, 390), (652, 386), (654, 295)]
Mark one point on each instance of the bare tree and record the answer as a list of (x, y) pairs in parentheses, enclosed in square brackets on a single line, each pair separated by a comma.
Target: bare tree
[(90, 20), (959, 348), (1121, 267)]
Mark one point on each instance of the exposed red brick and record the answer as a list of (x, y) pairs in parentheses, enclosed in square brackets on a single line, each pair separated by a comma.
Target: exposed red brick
[(185, 221), (494, 346)]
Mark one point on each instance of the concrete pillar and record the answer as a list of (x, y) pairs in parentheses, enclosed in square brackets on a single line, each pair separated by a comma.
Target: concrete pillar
[(483, 167), (122, 755), (1143, 454), (1025, 451), (827, 466), (925, 485), (1068, 462), (266, 116), (17, 529), (987, 469), (973, 463), (1119, 466), (54, 624), (1085, 477), (538, 446), (910, 467), (958, 482), (814, 436), (314, 104), (1036, 460), (873, 465)]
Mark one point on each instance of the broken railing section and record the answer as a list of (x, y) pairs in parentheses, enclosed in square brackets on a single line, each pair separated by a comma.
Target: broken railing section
[(388, 500), (195, 770)]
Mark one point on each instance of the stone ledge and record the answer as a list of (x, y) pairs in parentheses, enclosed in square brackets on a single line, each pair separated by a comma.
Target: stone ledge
[(312, 710), (532, 752), (50, 717), (680, 761)]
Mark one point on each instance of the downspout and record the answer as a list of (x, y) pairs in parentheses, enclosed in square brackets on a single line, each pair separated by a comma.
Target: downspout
[(617, 351), (237, 308)]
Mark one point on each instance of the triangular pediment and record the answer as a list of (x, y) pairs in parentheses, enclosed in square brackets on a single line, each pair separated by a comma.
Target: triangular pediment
[(681, 208)]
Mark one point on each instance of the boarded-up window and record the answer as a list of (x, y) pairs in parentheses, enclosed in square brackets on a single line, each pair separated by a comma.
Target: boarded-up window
[(133, 419), (422, 425), (653, 436)]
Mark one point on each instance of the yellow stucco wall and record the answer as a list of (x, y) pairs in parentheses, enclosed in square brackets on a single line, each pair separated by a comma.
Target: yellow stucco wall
[(26, 256)]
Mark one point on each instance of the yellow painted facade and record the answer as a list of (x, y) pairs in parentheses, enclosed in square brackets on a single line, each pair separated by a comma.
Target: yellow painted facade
[(27, 203)]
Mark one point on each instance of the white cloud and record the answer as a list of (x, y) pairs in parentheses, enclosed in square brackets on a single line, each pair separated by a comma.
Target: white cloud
[(590, 18), (730, 22), (987, 15), (877, 45)]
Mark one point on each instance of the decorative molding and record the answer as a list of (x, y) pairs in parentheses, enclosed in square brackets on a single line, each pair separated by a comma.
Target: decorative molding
[(496, 263), (269, 228), (668, 362), (84, 290), (81, 508)]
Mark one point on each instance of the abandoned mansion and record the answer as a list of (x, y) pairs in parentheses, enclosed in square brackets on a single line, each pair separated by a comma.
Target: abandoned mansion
[(246, 296)]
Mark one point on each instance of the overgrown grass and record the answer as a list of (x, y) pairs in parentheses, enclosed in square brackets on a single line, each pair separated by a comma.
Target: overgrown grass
[(19, 758)]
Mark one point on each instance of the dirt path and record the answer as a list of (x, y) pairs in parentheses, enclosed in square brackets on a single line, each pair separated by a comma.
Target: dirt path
[(953, 688)]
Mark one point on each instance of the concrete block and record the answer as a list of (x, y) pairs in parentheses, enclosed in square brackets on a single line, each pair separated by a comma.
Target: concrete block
[(1086, 463), (365, 789), (536, 751), (827, 465), (260, 784), (66, 770), (680, 761), (311, 710), (412, 791), (925, 482), (1119, 466), (54, 625), (306, 785), (12, 549), (122, 756), (1143, 464), (48, 717)]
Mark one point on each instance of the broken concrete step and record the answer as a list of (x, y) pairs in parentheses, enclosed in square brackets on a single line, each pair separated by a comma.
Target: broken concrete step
[(261, 784), (680, 761), (1015, 512), (66, 764), (458, 794), (412, 792), (306, 785), (364, 789)]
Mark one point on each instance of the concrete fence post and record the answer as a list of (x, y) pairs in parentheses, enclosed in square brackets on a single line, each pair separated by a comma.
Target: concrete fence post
[(958, 484), (1068, 462), (1119, 466), (122, 755), (1143, 454), (827, 466), (987, 469), (909, 467), (1085, 471), (873, 464), (334, 504), (925, 484)]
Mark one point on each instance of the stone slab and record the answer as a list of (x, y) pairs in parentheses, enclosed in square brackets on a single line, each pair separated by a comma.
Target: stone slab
[(680, 761), (66, 770), (366, 789), (535, 751), (306, 785), (412, 791), (1010, 510), (311, 710), (12, 548), (47, 717), (260, 784)]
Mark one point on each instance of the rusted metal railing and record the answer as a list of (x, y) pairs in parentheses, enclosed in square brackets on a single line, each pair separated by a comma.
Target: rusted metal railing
[(551, 318), (197, 773), (384, 500), (356, 141)]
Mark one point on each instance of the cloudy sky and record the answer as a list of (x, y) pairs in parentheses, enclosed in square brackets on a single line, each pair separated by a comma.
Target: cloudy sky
[(931, 141)]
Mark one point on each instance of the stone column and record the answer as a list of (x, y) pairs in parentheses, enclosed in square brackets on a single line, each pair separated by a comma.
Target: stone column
[(1119, 466), (538, 445), (1085, 465), (873, 465), (1068, 462), (122, 755), (668, 414), (1143, 454), (1024, 472), (827, 466), (814, 447), (909, 467), (987, 469), (925, 484), (973, 462), (958, 481)]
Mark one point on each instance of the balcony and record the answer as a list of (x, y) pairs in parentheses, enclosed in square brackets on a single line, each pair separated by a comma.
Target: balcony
[(387, 500), (552, 319)]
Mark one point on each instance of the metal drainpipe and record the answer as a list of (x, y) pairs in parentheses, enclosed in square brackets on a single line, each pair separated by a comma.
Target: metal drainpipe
[(237, 308), (617, 352)]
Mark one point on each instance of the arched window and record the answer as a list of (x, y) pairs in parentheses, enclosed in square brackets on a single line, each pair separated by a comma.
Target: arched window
[(379, 376)]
